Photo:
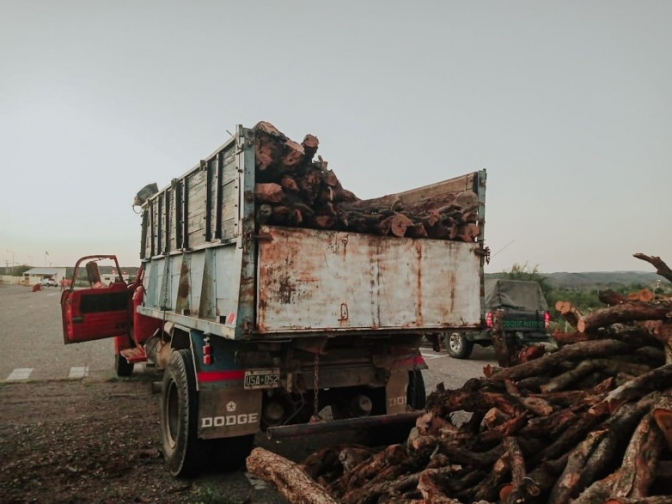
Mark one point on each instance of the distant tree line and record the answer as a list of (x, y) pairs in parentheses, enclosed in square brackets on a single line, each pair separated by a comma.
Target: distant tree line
[(585, 299)]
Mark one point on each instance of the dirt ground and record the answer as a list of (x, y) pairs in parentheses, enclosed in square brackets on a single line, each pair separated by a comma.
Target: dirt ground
[(97, 441)]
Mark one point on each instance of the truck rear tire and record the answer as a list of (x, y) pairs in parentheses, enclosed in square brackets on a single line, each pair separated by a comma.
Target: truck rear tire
[(179, 416), (122, 367), (458, 346)]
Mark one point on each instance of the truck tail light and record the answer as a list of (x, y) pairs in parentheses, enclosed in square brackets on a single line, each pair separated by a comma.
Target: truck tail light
[(207, 353), (488, 319), (547, 319)]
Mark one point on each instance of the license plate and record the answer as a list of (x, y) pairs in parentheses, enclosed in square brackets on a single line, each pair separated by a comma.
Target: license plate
[(262, 378)]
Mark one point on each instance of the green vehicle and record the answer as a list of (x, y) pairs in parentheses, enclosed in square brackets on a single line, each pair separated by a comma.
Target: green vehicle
[(526, 317)]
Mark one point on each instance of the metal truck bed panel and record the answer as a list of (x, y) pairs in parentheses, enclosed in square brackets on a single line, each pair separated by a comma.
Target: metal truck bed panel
[(197, 289), (312, 280), (197, 209), (209, 267)]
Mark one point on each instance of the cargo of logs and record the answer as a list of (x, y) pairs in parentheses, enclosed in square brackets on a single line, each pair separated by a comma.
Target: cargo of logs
[(588, 423), (292, 189)]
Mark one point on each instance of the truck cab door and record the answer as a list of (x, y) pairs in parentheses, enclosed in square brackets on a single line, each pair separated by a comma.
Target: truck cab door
[(97, 311)]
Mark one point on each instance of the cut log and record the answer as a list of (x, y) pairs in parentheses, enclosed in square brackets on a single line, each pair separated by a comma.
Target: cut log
[(538, 406), (429, 485), (529, 353), (398, 224), (564, 338), (518, 473), (468, 232), (568, 439), (289, 478), (662, 414), (634, 389), (289, 184), (551, 424), (644, 295), (581, 350), (444, 403), (612, 298), (639, 462), (269, 193), (310, 144), (654, 499), (494, 417), (625, 312), (568, 312), (570, 483), (351, 456), (487, 489), (661, 268)]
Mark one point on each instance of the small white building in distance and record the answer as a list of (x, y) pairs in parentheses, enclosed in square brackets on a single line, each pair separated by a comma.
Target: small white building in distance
[(36, 275)]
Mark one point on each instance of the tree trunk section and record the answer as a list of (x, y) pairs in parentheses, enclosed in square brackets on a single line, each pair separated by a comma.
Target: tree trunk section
[(289, 478)]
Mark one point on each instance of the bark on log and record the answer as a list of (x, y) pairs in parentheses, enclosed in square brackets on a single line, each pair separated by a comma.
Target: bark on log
[(570, 483), (568, 312), (626, 312), (612, 298), (429, 486), (269, 193), (661, 268), (634, 389), (639, 462), (581, 350), (310, 144), (487, 489), (643, 295), (662, 414), (654, 499), (518, 472), (564, 338), (289, 478)]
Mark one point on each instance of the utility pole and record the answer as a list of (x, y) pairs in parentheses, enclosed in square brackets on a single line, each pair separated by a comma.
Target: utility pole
[(12, 252)]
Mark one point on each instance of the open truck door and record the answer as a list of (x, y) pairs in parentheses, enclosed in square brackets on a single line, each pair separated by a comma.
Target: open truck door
[(97, 310)]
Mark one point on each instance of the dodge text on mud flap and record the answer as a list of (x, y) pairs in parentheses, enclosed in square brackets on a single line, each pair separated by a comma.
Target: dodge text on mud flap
[(222, 421)]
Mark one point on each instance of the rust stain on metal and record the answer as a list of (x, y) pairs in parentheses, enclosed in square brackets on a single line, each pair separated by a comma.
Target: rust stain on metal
[(418, 302), (286, 290), (183, 289)]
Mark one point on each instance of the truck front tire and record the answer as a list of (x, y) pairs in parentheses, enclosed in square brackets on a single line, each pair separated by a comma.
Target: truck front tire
[(122, 367), (179, 416), (416, 393), (458, 346)]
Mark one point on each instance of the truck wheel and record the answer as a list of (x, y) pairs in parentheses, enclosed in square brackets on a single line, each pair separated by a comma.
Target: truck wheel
[(459, 346), (179, 416), (122, 366)]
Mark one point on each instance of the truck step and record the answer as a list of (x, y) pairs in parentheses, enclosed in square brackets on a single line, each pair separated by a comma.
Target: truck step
[(134, 355)]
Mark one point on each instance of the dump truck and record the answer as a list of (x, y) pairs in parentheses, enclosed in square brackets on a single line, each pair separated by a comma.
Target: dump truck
[(264, 328)]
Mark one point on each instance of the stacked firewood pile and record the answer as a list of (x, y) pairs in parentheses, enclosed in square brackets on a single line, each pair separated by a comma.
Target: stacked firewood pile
[(292, 189), (588, 423)]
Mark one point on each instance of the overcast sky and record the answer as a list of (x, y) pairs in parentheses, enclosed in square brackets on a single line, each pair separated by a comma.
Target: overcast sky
[(566, 104)]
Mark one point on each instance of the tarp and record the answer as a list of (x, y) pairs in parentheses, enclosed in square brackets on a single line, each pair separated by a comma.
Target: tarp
[(516, 294)]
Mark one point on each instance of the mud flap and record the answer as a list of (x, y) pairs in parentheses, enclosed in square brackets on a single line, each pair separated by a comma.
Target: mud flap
[(228, 412), (395, 392)]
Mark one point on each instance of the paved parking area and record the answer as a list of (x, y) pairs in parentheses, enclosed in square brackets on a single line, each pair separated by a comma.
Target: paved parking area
[(32, 340), (32, 346)]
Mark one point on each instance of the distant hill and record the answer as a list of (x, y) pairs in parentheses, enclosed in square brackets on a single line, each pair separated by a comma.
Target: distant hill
[(599, 279)]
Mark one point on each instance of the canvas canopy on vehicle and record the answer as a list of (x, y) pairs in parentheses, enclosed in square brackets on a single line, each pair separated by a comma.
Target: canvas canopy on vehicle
[(514, 294)]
